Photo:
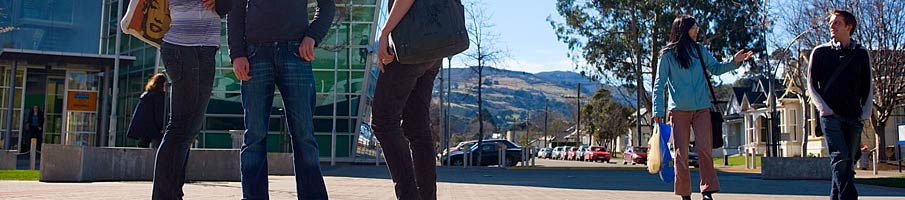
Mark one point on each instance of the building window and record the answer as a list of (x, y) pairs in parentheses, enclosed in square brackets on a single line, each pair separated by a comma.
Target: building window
[(53, 10)]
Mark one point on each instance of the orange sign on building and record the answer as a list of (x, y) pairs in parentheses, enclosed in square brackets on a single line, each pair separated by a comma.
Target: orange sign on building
[(81, 101)]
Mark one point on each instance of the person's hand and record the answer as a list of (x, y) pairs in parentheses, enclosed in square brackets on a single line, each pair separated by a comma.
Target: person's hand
[(657, 119), (240, 68), (209, 4), (741, 56), (383, 51), (306, 49)]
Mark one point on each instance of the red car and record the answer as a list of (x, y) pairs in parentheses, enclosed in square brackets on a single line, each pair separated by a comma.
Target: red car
[(596, 153), (635, 155)]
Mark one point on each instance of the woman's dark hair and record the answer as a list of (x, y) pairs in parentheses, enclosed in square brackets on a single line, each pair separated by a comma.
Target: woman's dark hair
[(679, 40), (156, 83)]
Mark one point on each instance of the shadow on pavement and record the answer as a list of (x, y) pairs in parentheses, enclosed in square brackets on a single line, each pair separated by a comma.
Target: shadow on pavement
[(626, 180)]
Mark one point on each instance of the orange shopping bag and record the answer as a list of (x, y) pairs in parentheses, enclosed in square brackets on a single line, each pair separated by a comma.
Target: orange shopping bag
[(147, 20)]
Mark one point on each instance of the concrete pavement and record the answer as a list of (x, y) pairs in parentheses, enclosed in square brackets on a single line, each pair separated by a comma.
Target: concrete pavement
[(372, 182)]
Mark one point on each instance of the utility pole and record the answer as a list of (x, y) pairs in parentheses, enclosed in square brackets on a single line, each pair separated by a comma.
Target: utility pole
[(442, 112), (578, 114), (578, 125), (546, 113), (446, 114)]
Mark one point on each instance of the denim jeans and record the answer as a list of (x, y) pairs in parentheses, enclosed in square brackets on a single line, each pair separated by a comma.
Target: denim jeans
[(843, 137), (273, 65), (191, 71), (401, 122)]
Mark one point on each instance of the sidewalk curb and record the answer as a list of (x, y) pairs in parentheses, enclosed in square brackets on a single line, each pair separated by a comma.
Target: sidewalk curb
[(729, 170)]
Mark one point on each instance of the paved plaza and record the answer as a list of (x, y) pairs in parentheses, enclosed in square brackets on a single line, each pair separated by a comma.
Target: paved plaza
[(372, 182)]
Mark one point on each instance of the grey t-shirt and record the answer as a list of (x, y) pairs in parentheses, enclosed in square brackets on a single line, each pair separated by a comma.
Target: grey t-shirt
[(193, 24)]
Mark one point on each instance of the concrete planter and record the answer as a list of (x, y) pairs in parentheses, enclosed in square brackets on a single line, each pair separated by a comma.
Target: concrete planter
[(8, 160), (68, 163), (796, 168)]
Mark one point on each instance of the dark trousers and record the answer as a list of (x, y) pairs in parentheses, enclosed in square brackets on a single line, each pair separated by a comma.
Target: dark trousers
[(36, 133), (401, 122), (191, 71), (843, 138)]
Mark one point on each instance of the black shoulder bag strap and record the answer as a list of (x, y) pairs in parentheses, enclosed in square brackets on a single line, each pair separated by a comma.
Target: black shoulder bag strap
[(707, 77), (716, 116), (838, 72)]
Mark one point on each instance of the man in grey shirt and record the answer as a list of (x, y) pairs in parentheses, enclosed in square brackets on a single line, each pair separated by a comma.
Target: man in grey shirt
[(272, 44)]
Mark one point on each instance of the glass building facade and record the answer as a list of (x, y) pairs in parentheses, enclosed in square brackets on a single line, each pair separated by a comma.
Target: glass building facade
[(48, 62), (340, 71)]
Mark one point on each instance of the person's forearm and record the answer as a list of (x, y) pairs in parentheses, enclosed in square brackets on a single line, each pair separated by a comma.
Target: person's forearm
[(398, 10)]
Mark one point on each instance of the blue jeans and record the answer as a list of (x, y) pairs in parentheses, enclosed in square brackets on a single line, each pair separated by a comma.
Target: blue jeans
[(191, 71), (278, 64), (843, 137)]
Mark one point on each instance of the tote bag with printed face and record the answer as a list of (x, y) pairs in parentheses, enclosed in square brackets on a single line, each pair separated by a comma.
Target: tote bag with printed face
[(147, 20)]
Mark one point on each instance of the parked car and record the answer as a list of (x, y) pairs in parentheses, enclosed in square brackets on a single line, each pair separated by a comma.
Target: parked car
[(579, 154), (556, 153), (596, 153), (635, 155), (564, 155), (570, 155), (489, 154), (543, 152)]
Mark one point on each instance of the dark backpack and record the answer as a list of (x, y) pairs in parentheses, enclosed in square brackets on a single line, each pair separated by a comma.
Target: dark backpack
[(430, 30)]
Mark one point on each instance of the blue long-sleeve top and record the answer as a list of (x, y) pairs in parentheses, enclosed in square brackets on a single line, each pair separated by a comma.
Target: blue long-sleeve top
[(687, 87)]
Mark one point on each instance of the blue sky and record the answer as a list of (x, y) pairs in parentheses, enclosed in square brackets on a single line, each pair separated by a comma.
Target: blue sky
[(524, 31)]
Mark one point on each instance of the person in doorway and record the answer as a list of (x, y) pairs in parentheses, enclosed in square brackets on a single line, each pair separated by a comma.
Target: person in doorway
[(401, 115), (188, 53), (682, 65), (148, 119), (271, 44), (839, 83), (35, 128)]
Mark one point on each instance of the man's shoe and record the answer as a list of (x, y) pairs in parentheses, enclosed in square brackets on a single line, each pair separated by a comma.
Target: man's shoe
[(686, 197)]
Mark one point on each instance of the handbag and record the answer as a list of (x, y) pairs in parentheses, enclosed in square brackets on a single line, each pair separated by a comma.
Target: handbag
[(147, 20), (430, 30), (716, 117)]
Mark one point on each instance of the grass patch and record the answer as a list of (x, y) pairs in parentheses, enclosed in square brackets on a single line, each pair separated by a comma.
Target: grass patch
[(897, 182), (19, 175), (734, 160)]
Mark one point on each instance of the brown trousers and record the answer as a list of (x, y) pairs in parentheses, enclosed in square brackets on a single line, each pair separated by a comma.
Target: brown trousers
[(682, 123)]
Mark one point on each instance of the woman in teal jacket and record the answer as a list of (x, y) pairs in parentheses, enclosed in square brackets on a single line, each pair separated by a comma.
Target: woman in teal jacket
[(682, 65)]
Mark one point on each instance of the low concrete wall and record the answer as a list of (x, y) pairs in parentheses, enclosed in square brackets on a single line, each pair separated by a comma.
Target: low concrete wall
[(67, 163), (796, 168), (8, 160)]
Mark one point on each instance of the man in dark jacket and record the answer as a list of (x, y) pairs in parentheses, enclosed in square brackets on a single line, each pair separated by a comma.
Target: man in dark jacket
[(840, 86), (35, 128), (148, 119), (272, 44)]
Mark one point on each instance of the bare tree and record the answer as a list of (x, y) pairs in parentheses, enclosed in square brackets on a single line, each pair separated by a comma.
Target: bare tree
[(483, 50)]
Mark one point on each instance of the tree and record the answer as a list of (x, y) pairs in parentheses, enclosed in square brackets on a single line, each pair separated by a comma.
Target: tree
[(881, 29), (482, 51), (606, 118), (622, 38)]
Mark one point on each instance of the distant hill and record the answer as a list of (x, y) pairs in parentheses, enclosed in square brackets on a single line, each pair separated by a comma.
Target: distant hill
[(508, 95)]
